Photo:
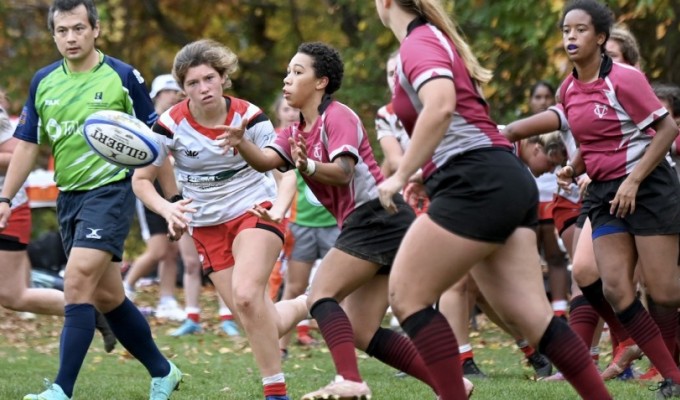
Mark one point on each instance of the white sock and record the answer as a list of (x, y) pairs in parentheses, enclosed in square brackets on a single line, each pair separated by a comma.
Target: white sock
[(464, 348), (278, 378)]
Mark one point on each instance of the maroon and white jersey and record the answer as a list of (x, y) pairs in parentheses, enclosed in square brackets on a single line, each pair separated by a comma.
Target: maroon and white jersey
[(222, 186), (427, 53), (337, 132), (387, 124), (611, 118)]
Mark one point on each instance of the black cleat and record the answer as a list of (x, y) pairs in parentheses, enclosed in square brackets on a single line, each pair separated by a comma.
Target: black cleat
[(540, 364), (471, 370)]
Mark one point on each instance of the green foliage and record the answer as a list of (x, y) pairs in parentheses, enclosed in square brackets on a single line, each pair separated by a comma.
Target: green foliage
[(519, 40)]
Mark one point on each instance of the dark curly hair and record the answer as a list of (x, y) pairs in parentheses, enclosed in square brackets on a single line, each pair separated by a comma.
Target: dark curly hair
[(600, 14), (327, 62)]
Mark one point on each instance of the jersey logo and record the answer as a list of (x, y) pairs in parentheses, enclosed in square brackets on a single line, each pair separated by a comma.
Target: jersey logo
[(94, 233), (51, 102), (191, 153), (317, 151), (98, 97), (600, 110)]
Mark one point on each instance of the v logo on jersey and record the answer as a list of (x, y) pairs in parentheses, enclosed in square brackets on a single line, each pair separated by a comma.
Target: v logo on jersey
[(600, 110), (94, 233)]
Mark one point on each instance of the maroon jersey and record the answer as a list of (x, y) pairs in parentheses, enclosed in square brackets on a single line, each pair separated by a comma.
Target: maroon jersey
[(611, 118), (426, 53)]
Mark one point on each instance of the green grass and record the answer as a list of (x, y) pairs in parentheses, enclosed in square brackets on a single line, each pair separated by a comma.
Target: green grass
[(217, 367)]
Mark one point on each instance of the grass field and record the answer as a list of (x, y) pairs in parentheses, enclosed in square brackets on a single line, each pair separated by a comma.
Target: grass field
[(217, 367)]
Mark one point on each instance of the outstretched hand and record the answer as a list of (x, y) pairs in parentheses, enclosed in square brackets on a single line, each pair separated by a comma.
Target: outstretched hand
[(266, 214), (175, 216), (232, 136), (298, 149)]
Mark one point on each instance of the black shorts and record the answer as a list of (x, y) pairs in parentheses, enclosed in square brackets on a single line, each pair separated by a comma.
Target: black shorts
[(585, 208), (483, 195), (372, 234), (11, 243), (657, 204)]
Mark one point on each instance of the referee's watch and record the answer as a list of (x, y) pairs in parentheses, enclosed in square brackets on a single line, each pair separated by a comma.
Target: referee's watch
[(6, 200)]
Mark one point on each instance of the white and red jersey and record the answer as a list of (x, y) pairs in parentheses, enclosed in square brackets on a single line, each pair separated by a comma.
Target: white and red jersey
[(222, 186), (611, 118), (6, 132), (425, 54), (387, 124), (337, 132)]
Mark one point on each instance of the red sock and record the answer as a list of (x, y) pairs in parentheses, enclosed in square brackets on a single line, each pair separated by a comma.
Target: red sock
[(571, 356), (525, 347), (596, 298), (226, 317), (196, 317), (275, 389), (583, 318), (466, 356), (302, 330), (337, 332), (437, 346), (666, 319)]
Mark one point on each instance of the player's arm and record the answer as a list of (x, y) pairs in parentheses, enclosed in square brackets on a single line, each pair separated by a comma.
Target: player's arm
[(339, 172), (173, 211), (261, 160), (393, 154), (537, 124)]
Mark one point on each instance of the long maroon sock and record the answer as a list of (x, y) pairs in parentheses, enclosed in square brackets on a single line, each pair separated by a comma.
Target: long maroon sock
[(571, 356), (647, 335), (337, 332), (399, 352), (666, 318), (583, 318), (596, 298), (432, 336)]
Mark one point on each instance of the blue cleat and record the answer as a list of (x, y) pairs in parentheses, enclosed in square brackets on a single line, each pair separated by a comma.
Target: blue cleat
[(276, 398), (230, 328), (188, 327), (52, 392), (162, 388)]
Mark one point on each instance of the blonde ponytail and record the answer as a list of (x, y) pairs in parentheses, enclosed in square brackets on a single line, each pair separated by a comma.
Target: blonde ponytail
[(434, 13)]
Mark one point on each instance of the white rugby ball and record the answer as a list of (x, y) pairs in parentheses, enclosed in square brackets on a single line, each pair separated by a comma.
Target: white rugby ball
[(120, 139)]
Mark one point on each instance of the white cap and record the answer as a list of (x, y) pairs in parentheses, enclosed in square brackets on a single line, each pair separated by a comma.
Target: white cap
[(163, 82)]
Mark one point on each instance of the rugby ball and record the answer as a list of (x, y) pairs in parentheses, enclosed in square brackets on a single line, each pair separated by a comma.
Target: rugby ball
[(120, 139)]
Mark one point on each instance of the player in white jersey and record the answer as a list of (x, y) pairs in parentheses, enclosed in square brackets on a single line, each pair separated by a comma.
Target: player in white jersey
[(235, 212)]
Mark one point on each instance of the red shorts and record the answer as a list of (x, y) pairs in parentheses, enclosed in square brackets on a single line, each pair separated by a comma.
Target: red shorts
[(565, 213), (214, 243), (19, 225), (545, 212)]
